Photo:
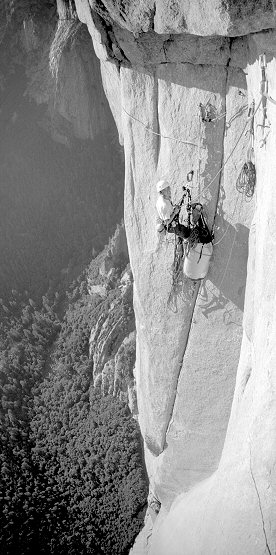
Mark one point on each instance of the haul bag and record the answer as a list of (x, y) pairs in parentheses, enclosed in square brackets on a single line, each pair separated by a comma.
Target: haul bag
[(197, 260)]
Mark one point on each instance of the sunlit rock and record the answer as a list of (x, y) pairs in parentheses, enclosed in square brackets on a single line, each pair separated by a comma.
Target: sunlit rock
[(215, 485)]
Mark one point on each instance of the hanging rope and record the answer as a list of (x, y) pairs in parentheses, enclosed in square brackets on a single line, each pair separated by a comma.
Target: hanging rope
[(198, 150), (177, 262), (247, 178), (198, 145), (220, 116), (232, 151), (245, 182), (159, 134)]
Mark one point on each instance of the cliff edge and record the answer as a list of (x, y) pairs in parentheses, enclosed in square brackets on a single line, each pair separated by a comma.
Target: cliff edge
[(165, 67)]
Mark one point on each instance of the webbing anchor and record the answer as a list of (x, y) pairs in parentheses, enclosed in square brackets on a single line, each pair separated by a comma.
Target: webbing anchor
[(264, 140)]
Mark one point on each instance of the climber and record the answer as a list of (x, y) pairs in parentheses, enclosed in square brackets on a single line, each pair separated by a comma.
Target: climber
[(193, 245), (167, 213)]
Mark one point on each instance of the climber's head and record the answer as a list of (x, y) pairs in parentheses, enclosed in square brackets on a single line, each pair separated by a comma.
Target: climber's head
[(163, 188)]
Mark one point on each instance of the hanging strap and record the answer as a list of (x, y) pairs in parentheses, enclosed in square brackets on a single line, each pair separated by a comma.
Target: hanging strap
[(269, 97), (263, 87), (200, 255)]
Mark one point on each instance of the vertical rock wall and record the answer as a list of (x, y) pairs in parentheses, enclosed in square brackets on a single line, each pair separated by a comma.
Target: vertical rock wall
[(234, 511), (189, 340), (184, 391)]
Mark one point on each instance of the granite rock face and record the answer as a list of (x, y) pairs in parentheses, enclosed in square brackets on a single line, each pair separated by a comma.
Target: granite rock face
[(112, 339), (198, 17), (234, 510), (70, 84), (191, 339)]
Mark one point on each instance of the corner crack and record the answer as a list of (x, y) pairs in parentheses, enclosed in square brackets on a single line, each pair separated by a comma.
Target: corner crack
[(222, 149), (158, 137), (151, 17), (104, 25), (260, 505), (170, 419)]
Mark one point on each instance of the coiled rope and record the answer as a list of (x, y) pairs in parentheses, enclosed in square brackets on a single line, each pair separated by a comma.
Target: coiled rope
[(232, 151), (198, 145), (246, 189), (246, 180)]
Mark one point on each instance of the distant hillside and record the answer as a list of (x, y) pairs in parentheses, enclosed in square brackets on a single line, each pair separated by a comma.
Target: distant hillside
[(72, 474), (61, 196)]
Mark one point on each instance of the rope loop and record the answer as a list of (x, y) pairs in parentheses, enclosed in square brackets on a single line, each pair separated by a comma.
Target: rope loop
[(247, 180)]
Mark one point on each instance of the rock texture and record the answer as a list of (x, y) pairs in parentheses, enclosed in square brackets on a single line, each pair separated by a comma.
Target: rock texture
[(75, 97), (190, 339), (113, 340), (244, 485), (219, 17), (60, 198)]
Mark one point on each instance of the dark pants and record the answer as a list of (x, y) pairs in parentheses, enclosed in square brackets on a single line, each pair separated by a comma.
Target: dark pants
[(180, 230)]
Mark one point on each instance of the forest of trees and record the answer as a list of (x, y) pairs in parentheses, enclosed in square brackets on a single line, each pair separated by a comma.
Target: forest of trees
[(72, 476), (72, 479)]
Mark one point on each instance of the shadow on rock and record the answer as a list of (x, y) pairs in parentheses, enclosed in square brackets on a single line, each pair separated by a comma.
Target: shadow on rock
[(227, 271)]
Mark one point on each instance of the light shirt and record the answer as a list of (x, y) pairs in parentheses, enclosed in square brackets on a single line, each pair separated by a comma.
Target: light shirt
[(164, 208)]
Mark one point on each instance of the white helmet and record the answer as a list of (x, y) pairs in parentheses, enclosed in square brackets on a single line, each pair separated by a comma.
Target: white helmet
[(162, 184)]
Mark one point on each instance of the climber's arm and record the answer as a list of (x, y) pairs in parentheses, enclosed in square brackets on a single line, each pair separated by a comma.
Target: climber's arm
[(175, 211)]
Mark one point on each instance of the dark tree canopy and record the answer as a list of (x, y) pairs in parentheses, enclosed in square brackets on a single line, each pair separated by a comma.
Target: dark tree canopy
[(72, 478)]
